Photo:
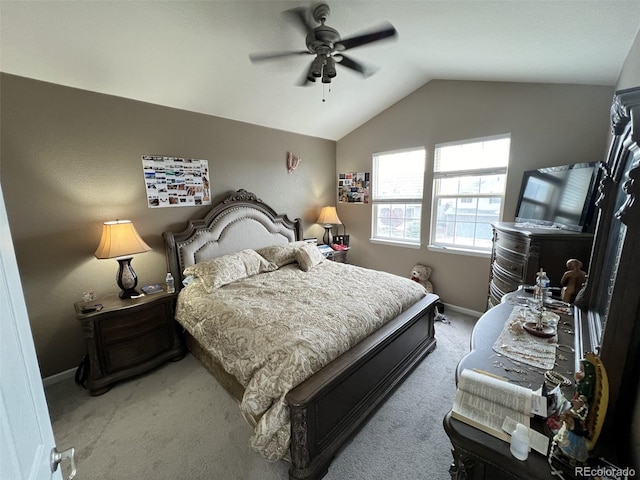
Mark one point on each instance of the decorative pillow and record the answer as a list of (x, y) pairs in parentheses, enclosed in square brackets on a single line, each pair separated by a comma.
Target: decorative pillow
[(308, 256), (281, 254), (223, 270)]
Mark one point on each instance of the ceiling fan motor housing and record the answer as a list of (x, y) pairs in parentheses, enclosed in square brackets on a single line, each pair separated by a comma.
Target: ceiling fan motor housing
[(326, 44), (322, 39)]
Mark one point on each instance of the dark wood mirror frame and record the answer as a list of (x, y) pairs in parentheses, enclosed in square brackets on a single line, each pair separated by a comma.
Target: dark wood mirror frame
[(611, 301)]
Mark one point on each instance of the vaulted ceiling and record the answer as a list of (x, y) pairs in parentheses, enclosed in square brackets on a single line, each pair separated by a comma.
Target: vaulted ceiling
[(194, 55)]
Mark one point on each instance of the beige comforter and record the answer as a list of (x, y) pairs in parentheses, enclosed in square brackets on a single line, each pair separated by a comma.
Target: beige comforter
[(273, 330)]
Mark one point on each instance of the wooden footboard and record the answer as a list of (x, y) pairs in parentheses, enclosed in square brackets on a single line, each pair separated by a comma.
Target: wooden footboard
[(329, 407)]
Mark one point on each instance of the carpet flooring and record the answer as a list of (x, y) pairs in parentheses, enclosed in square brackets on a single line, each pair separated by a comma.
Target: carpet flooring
[(176, 422)]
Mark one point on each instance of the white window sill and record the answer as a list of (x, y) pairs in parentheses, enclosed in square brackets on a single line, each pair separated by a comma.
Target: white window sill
[(394, 243), (458, 251)]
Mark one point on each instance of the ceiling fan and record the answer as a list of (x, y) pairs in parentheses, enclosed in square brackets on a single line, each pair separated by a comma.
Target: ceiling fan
[(326, 44)]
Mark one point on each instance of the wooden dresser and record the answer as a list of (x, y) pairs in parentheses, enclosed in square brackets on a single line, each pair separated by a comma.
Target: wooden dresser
[(519, 252), (478, 455), (606, 316)]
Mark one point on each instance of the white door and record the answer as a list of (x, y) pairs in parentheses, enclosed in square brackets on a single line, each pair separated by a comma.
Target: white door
[(26, 438)]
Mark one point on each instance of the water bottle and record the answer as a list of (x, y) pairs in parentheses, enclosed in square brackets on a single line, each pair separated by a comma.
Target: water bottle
[(171, 287), (542, 286), (520, 442)]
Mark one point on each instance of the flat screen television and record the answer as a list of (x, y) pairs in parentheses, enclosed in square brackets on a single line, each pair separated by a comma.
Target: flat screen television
[(559, 197)]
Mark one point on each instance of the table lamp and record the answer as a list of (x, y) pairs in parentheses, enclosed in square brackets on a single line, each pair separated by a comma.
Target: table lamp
[(328, 217), (120, 240)]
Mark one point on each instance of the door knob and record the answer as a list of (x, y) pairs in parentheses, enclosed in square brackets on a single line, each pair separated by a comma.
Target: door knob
[(68, 454)]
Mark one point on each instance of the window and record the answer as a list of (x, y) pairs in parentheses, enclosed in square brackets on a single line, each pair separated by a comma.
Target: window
[(396, 197), (469, 180)]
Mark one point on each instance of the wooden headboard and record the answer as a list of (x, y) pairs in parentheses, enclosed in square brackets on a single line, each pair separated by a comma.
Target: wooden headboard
[(240, 221)]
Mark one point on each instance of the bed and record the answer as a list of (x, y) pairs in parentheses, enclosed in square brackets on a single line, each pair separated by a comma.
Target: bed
[(344, 379)]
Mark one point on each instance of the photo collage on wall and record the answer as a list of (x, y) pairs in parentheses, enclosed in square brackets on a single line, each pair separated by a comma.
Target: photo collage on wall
[(175, 181), (353, 187)]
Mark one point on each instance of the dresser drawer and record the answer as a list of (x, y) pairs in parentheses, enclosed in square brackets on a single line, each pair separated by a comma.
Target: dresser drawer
[(514, 243), (503, 281), (509, 262), (125, 325), (495, 295), (123, 355)]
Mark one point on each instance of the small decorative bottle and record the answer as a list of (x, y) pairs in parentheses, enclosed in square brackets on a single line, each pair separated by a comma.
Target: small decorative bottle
[(520, 442), (171, 287)]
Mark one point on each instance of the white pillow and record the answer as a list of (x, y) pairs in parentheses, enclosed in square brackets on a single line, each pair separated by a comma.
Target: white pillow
[(308, 256), (281, 254), (226, 269)]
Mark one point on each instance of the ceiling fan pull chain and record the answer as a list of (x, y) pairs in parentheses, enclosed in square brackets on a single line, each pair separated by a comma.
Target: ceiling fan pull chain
[(324, 91)]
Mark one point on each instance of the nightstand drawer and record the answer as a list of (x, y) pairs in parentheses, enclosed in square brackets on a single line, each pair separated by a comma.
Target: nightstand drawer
[(136, 351), (133, 324), (128, 337), (339, 256)]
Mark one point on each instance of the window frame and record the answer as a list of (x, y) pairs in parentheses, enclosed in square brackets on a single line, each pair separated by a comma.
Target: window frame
[(401, 201), (434, 244)]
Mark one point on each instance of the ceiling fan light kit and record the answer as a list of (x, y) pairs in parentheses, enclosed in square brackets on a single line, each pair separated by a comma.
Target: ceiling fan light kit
[(326, 44)]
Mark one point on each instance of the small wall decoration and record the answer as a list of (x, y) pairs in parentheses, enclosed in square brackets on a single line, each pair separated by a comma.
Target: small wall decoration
[(353, 187), (292, 162), (175, 181)]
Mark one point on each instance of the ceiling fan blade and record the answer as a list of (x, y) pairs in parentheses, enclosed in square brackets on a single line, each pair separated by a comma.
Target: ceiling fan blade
[(300, 17), (260, 57), (385, 31), (355, 65)]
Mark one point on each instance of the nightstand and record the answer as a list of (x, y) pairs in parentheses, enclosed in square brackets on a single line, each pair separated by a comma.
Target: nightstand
[(338, 256), (128, 337)]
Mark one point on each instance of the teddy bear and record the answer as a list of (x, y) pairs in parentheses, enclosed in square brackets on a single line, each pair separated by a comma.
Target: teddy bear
[(421, 274)]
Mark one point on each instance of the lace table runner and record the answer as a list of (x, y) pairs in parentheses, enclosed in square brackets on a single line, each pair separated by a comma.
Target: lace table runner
[(515, 343)]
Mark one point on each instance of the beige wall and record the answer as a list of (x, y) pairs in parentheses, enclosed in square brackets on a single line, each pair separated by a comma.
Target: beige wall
[(549, 125), (70, 159)]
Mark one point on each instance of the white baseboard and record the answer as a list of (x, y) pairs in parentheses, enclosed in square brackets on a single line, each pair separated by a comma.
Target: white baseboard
[(466, 311), (59, 377)]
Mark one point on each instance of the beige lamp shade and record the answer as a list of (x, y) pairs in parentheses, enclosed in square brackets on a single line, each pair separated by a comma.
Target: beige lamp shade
[(119, 239), (329, 216)]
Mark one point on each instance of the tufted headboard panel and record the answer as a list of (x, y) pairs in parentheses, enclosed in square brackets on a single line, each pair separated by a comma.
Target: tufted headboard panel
[(240, 221)]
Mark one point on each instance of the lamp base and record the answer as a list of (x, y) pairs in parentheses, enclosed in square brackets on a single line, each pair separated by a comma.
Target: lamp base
[(126, 278), (328, 236), (129, 293)]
